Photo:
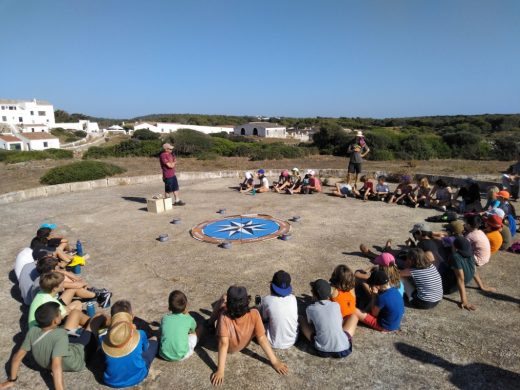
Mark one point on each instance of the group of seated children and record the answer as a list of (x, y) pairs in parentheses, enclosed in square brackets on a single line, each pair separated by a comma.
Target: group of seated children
[(444, 262), (441, 195), (62, 338), (288, 183)]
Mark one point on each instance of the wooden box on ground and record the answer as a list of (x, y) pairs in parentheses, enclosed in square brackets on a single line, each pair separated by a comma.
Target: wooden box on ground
[(155, 205)]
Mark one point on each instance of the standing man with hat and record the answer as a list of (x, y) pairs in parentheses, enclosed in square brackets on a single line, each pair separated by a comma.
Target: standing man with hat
[(357, 150), (168, 162)]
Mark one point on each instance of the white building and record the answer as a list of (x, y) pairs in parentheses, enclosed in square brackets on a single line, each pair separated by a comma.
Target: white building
[(261, 129), (166, 128), (85, 125), (39, 141), (304, 135), (28, 116), (10, 142)]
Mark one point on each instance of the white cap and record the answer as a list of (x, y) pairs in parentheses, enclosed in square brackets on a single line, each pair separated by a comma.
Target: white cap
[(248, 175)]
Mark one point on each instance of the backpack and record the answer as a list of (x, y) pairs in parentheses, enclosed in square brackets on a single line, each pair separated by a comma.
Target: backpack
[(448, 216)]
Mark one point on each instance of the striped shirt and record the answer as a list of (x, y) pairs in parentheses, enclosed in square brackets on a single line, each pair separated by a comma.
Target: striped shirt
[(428, 283)]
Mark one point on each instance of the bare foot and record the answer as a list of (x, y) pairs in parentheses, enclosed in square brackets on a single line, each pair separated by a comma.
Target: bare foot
[(489, 289)]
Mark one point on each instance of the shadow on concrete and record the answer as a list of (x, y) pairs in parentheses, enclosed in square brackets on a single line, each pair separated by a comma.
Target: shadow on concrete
[(499, 297), (470, 376), (137, 199)]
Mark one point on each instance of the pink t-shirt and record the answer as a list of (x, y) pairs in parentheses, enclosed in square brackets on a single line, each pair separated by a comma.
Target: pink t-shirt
[(315, 182), (165, 158), (481, 246)]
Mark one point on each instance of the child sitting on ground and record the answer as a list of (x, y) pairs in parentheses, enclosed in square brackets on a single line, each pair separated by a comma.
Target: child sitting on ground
[(323, 324), (491, 198), (422, 281), (440, 195), (179, 332), (263, 186), (248, 184), (423, 192), (51, 285), (45, 241), (284, 181), (366, 190), (50, 346), (280, 309), (462, 270), (237, 325), (382, 191), (296, 182), (314, 184), (387, 307), (343, 285), (128, 352)]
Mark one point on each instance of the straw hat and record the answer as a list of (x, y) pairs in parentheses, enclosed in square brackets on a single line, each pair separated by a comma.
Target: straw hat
[(122, 337)]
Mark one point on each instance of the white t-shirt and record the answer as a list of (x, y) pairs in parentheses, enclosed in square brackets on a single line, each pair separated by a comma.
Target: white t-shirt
[(23, 258), (282, 314), (264, 182)]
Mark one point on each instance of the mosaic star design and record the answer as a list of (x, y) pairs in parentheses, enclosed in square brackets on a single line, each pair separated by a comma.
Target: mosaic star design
[(238, 227)]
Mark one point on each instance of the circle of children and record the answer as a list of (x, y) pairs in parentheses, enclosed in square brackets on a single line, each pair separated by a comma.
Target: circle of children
[(61, 335)]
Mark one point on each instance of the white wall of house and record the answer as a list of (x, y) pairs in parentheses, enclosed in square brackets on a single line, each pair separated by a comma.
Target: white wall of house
[(40, 144), (29, 128), (261, 129), (84, 125), (16, 145), (166, 128), (21, 112)]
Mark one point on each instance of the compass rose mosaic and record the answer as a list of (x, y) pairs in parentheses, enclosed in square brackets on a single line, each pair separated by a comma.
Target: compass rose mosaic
[(240, 229)]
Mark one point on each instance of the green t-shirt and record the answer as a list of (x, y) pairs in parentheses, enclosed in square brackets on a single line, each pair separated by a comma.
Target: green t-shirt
[(467, 264), (55, 343), (40, 299), (174, 335)]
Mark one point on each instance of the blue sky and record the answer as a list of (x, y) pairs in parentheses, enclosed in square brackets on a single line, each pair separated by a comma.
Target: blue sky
[(369, 58)]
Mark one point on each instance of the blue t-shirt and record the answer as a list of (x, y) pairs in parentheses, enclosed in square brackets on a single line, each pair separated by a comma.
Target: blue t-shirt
[(401, 289), (127, 370), (391, 305)]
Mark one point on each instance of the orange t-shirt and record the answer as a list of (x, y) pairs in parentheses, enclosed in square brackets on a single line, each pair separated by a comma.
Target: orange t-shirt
[(240, 330), (495, 240), (346, 301)]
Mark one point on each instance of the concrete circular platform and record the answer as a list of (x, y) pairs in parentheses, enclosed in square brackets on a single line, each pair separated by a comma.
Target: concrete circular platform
[(442, 348)]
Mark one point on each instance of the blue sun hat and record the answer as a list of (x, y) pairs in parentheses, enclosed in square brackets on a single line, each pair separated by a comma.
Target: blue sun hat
[(261, 172), (46, 225), (281, 283)]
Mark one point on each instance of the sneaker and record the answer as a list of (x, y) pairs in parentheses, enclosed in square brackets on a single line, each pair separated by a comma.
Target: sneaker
[(75, 332), (179, 203), (104, 299), (97, 291), (442, 208), (158, 196)]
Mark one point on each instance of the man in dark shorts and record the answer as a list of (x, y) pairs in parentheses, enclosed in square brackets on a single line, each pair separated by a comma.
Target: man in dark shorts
[(357, 150), (171, 186)]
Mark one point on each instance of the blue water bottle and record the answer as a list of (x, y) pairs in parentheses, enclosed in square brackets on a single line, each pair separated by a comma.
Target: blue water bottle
[(91, 309), (79, 248)]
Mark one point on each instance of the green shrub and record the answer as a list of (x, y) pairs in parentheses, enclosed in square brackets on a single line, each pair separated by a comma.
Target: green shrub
[(190, 142), (207, 156), (381, 154), (127, 148), (145, 134), (12, 157), (80, 171), (99, 152), (80, 133)]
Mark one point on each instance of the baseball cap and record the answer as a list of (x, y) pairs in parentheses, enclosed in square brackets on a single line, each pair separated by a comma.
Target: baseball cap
[(384, 259), (260, 171), (281, 283), (285, 173), (421, 227), (167, 146), (51, 226), (311, 172), (377, 278), (503, 194), (248, 175), (295, 170), (322, 289)]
